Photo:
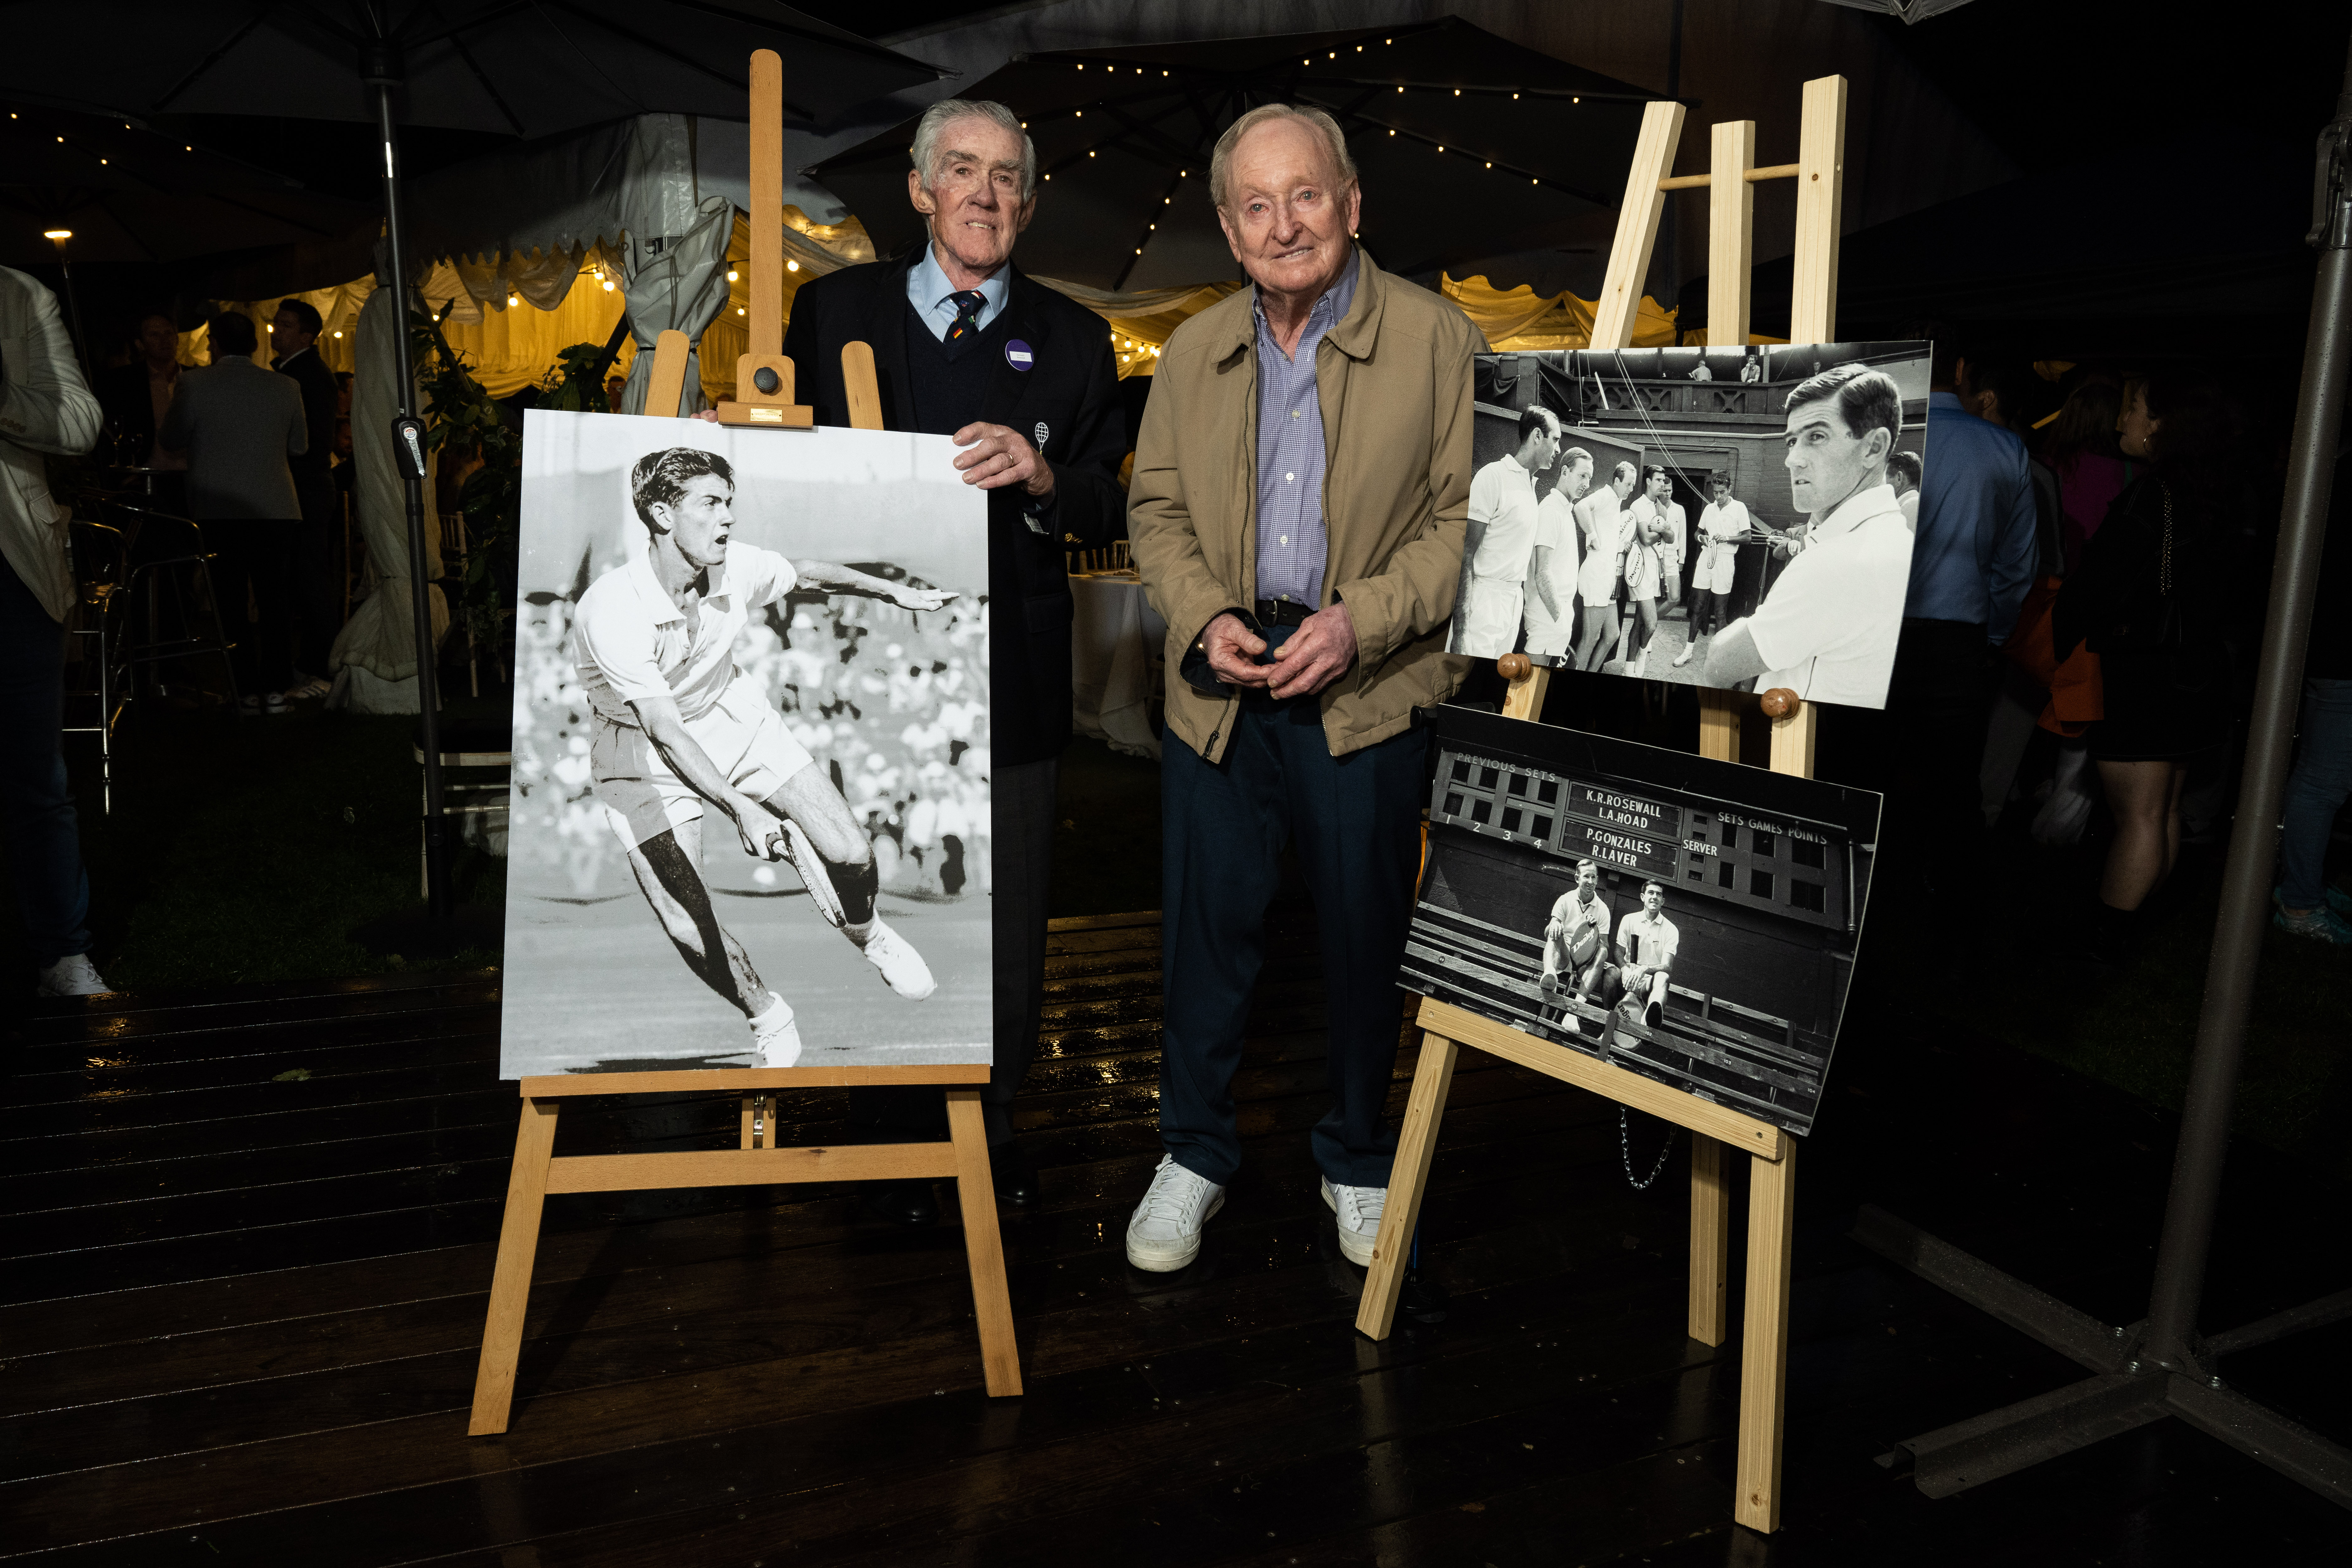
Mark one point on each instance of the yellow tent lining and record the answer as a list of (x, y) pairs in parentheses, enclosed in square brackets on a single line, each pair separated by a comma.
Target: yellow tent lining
[(511, 347)]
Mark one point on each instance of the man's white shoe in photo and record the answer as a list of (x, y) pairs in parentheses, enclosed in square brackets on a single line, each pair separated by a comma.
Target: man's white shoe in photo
[(1165, 1233), (1358, 1210), (72, 976), (774, 1036), (900, 964)]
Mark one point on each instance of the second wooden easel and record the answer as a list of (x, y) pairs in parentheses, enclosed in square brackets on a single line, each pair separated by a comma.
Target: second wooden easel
[(757, 1161), (1771, 1200)]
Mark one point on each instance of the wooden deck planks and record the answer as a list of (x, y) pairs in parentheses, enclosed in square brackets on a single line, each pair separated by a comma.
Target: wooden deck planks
[(268, 1355)]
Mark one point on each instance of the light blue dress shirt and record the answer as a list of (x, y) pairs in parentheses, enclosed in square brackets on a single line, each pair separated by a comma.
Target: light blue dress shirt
[(1292, 543), (933, 297), (1972, 559)]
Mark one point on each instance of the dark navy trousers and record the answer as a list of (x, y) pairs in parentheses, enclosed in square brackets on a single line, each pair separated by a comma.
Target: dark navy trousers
[(36, 806), (1355, 822)]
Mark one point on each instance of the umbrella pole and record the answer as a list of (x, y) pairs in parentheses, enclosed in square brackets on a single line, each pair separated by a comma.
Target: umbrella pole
[(381, 68), (73, 315)]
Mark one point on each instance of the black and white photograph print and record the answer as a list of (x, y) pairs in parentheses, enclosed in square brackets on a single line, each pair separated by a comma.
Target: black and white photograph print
[(1693, 920), (749, 821), (1737, 518)]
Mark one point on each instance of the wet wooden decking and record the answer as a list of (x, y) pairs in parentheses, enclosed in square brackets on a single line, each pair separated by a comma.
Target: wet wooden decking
[(249, 1242)]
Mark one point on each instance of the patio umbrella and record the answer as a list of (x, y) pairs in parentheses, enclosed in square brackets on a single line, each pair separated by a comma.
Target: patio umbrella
[(128, 195), (1467, 144), (492, 65)]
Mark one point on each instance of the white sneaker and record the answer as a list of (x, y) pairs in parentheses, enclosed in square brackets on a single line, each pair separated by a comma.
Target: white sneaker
[(1683, 658), (774, 1036), (72, 976), (900, 964), (1165, 1233), (1358, 1211)]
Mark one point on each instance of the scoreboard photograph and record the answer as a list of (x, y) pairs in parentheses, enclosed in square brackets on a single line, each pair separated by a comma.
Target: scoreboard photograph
[(1691, 920)]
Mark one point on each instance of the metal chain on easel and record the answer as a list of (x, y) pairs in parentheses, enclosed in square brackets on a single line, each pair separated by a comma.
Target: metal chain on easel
[(1625, 1154)]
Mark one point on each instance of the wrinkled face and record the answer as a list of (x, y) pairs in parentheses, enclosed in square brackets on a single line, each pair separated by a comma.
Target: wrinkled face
[(697, 522), (1286, 220), (1587, 878), (1826, 461), (974, 201), (2135, 431), (159, 339)]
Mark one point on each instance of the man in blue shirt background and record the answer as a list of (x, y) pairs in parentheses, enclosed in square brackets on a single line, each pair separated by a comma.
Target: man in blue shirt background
[(1972, 563)]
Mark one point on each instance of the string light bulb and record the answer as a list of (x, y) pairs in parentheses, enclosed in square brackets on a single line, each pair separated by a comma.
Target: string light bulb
[(730, 275), (792, 267)]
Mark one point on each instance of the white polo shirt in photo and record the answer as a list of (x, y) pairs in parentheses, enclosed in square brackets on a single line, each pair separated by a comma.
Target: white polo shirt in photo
[(1827, 629), (1651, 941), (1596, 579), (1721, 525), (1554, 532), (1503, 497), (1575, 917), (631, 641)]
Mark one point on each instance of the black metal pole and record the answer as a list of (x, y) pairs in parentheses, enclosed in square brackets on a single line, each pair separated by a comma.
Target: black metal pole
[(381, 68), (73, 315), (2187, 1235)]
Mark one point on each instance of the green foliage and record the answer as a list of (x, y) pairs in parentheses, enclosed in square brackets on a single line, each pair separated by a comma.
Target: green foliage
[(463, 422)]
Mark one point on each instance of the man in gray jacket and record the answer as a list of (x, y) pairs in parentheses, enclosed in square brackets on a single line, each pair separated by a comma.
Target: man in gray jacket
[(238, 423), (45, 406)]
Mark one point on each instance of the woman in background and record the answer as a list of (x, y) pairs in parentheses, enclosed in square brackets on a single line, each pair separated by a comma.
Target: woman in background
[(2090, 467), (2155, 595)]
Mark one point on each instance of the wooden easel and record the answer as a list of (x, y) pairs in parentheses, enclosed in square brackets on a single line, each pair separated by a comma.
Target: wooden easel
[(1771, 1200), (757, 1160)]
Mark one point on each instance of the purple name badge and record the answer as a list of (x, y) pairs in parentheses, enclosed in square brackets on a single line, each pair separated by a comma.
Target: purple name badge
[(1017, 354)]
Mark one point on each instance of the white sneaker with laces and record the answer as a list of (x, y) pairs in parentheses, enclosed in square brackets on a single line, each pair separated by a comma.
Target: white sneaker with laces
[(900, 964), (1165, 1233), (72, 976), (774, 1036), (1358, 1212)]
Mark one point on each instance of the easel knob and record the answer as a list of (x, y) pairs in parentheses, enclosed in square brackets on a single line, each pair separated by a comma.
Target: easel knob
[(1514, 667), (1780, 702)]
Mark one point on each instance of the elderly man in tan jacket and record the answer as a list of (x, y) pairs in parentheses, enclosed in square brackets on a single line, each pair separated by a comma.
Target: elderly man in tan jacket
[(1301, 487)]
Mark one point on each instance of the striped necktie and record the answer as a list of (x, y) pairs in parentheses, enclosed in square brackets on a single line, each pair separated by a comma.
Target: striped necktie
[(968, 303)]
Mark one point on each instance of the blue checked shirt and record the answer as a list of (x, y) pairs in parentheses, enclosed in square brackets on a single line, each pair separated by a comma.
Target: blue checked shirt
[(1291, 541)]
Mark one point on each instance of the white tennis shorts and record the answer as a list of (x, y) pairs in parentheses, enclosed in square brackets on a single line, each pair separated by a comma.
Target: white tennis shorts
[(743, 737)]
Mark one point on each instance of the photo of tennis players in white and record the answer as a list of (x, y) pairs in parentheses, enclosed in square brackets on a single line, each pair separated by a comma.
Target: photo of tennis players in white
[(750, 813), (1743, 529)]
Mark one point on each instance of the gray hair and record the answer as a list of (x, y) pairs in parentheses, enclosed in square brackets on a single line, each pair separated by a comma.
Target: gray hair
[(926, 152), (1334, 139)]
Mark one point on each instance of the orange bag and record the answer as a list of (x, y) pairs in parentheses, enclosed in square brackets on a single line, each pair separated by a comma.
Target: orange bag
[(2077, 699)]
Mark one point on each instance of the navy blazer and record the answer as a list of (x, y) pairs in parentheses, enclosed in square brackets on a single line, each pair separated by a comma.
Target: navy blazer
[(1072, 389)]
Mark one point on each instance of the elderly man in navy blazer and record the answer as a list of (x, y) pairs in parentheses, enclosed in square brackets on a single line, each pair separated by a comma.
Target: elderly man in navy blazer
[(964, 345)]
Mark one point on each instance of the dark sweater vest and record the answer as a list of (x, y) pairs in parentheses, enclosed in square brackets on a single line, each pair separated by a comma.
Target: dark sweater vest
[(949, 384)]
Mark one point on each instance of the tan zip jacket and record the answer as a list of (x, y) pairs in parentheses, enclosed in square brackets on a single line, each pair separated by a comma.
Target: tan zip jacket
[(1394, 380)]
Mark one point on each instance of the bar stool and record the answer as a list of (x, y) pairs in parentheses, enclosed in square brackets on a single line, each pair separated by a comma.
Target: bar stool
[(169, 560), (102, 568), (467, 743)]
